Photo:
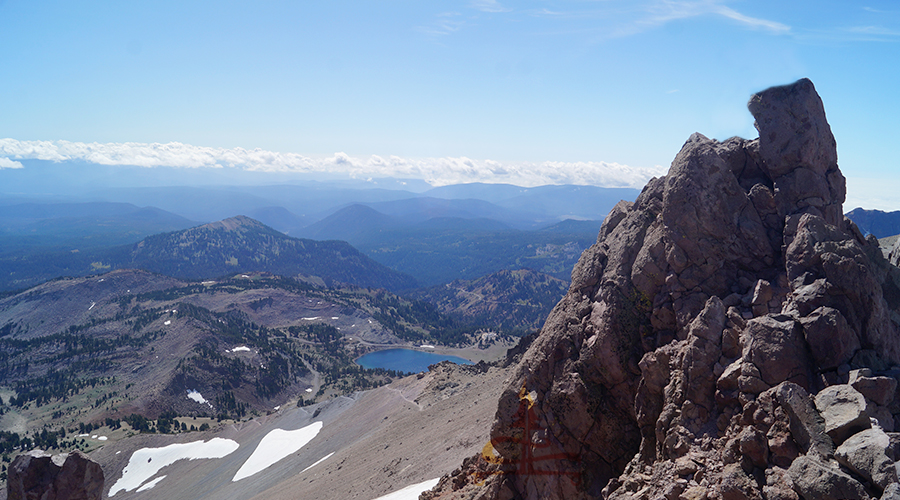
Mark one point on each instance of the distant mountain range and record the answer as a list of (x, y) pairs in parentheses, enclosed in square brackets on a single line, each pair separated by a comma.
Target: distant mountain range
[(434, 235), (241, 244), (516, 300), (80, 225), (443, 249), (235, 245), (875, 222)]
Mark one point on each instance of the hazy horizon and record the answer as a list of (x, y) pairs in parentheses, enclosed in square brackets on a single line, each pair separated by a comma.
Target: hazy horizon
[(532, 93)]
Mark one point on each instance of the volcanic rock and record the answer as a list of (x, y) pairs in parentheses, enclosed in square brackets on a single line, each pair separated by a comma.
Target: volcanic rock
[(716, 320), (37, 475), (865, 453), (844, 411)]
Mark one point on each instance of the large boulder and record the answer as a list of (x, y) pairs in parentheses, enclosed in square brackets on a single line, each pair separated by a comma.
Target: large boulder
[(866, 453), (39, 476), (844, 411), (818, 480)]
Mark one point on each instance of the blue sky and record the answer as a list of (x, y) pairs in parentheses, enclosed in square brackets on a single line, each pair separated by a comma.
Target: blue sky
[(485, 90)]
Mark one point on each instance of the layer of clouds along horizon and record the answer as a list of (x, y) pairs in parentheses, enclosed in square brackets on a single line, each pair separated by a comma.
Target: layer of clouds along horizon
[(435, 171)]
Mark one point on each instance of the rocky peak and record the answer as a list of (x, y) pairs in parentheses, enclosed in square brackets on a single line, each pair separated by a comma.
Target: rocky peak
[(689, 354), (237, 223)]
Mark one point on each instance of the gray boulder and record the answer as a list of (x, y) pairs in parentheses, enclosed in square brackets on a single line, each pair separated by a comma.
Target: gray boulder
[(818, 480), (844, 411), (866, 453), (879, 389)]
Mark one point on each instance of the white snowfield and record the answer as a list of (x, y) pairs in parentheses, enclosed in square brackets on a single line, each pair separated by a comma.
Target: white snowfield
[(276, 445), (239, 349), (146, 462), (196, 396), (411, 492)]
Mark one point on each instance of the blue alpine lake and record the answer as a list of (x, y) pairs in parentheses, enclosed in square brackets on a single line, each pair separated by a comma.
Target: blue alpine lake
[(406, 360)]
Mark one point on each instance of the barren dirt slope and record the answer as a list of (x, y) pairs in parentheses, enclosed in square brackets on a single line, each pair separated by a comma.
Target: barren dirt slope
[(415, 429)]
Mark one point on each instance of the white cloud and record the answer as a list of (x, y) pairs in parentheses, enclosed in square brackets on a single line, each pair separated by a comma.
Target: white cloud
[(489, 6), (664, 11), (752, 22), (7, 163), (436, 171)]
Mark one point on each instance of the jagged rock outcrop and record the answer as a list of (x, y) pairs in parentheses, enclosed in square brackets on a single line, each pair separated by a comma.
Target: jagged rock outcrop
[(39, 476), (706, 346)]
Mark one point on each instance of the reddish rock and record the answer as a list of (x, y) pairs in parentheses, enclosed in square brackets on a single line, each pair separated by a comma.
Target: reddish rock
[(36, 475), (699, 327)]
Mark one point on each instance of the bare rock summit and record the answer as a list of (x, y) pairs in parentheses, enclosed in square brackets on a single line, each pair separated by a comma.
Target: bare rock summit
[(687, 357)]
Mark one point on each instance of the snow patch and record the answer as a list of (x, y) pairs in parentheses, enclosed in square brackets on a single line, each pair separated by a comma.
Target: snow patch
[(239, 349), (102, 438), (151, 484), (311, 319), (275, 446), (411, 492), (196, 396), (146, 462), (92, 305), (426, 346), (326, 457), (335, 317), (168, 322), (309, 389)]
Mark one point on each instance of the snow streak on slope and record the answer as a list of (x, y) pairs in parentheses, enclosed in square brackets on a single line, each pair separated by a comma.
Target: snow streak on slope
[(146, 462), (411, 492), (275, 446)]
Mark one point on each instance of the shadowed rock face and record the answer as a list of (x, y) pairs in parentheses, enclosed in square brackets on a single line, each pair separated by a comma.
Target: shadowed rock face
[(72, 476), (697, 330)]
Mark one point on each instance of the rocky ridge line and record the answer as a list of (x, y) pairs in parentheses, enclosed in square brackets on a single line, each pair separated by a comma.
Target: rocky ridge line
[(730, 336)]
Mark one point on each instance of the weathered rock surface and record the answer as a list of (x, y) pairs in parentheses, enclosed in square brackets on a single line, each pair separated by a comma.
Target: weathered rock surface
[(866, 453), (705, 346), (40, 476), (844, 411)]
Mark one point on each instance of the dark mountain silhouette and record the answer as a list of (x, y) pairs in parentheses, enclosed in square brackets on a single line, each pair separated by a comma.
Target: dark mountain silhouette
[(354, 224), (241, 244), (875, 222)]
